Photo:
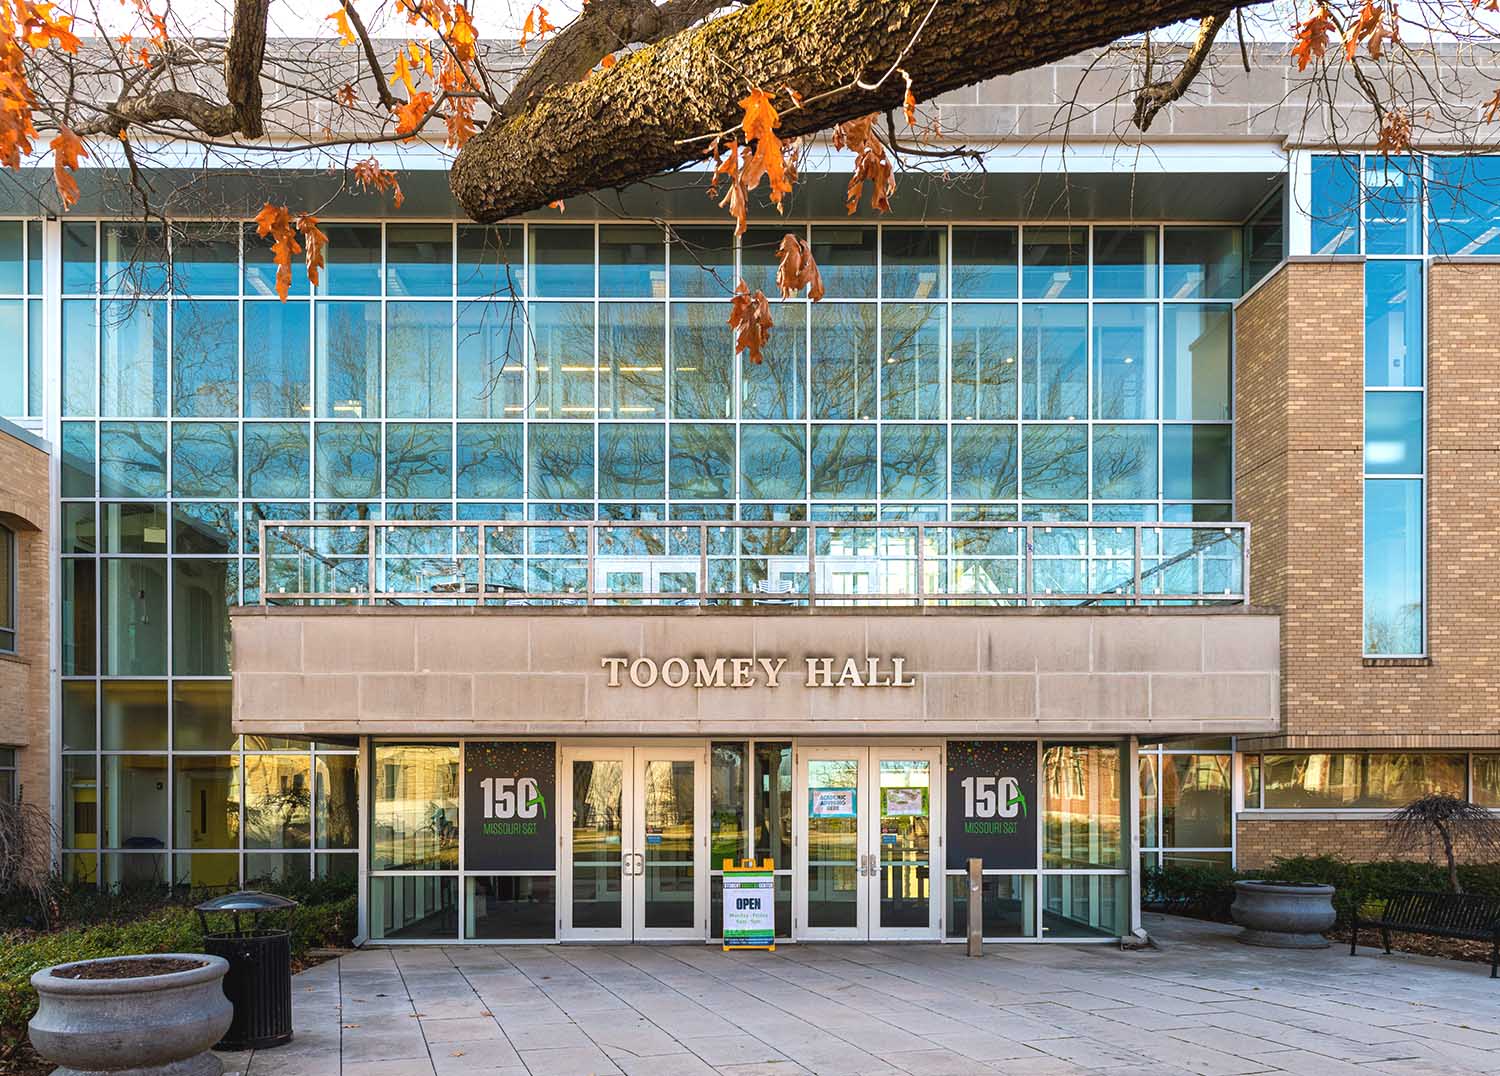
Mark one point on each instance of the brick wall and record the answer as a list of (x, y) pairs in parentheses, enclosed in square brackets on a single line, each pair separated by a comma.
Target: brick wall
[(1298, 459), (24, 680), (1261, 840)]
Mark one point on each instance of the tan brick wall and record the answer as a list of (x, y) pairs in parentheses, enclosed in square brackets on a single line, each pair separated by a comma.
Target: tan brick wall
[(24, 680), (1262, 840), (1299, 381)]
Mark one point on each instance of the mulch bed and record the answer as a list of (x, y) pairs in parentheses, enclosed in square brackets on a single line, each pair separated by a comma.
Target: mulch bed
[(1422, 945), (127, 969)]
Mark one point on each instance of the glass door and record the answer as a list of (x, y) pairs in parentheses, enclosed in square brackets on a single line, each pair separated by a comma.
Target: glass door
[(598, 853), (905, 856), (670, 874), (833, 860), (635, 843)]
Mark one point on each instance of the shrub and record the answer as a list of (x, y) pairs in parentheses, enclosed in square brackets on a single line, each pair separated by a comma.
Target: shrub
[(165, 929)]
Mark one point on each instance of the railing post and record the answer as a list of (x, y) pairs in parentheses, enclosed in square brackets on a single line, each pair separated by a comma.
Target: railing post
[(921, 564), (483, 576), (812, 564), (588, 576), (1136, 589), (702, 563), (1026, 552), (370, 555), (262, 547), (976, 907)]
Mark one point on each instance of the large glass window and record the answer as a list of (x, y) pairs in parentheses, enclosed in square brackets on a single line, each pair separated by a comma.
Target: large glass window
[(1360, 779), (1083, 805)]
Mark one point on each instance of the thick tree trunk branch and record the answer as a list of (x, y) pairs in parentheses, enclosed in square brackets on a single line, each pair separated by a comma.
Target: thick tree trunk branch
[(651, 111), (1155, 96), (163, 106), (243, 59)]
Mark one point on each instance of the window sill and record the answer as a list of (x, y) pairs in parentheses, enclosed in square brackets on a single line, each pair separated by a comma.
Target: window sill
[(1321, 814), (1396, 663)]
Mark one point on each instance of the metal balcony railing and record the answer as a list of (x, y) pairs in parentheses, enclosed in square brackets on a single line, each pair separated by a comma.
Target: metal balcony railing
[(712, 563)]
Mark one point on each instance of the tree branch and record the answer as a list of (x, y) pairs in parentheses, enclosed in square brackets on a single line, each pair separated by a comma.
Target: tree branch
[(243, 59), (1155, 96), (649, 112), (387, 99)]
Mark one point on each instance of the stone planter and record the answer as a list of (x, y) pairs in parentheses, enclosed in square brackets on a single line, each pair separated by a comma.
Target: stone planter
[(1283, 915), (162, 1023)]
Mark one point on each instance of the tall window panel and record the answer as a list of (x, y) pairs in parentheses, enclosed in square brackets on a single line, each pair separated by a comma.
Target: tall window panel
[(20, 319)]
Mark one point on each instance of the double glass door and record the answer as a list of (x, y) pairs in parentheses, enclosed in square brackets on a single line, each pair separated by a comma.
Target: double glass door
[(869, 853), (634, 849)]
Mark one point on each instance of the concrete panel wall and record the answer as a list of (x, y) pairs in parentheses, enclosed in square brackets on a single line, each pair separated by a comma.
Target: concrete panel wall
[(504, 671)]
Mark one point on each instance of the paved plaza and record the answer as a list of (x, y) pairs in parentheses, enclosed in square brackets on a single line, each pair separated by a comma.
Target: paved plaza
[(1201, 1004)]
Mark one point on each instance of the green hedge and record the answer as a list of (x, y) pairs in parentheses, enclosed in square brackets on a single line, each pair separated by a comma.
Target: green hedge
[(164, 930), (1207, 892)]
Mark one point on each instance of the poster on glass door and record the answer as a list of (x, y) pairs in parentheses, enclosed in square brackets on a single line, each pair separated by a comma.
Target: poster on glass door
[(510, 791), (991, 804)]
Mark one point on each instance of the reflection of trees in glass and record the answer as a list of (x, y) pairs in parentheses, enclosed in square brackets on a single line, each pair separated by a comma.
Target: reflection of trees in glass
[(278, 802), (1125, 360), (1054, 460), (348, 360), (491, 360), (1396, 630), (912, 263), (348, 459), (337, 801), (773, 461), (1125, 462), (418, 459), (1054, 345), (276, 360), (562, 461), (632, 360), (984, 461), (133, 358), (275, 459), (132, 459), (562, 365), (914, 348), (913, 462), (702, 464), (984, 361), (205, 349), (845, 342), (632, 460), (418, 353), (204, 459), (984, 263), (775, 387), (490, 460), (843, 461), (702, 355)]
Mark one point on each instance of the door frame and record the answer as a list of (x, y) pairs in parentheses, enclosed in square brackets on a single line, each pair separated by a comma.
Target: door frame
[(868, 755), (632, 756)]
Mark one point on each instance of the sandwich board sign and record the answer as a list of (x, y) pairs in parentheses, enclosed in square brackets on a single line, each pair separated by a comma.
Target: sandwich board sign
[(749, 905)]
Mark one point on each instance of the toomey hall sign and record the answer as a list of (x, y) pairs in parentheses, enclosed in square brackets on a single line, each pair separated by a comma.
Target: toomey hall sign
[(732, 672)]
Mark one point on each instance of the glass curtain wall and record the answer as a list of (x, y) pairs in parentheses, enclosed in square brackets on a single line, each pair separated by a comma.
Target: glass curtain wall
[(21, 373), (1187, 803)]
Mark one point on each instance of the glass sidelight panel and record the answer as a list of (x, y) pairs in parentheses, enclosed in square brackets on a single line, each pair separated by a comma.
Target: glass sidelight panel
[(667, 843), (598, 821), (905, 877), (833, 874)]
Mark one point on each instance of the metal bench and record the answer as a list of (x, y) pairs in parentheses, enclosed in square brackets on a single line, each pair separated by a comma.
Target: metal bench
[(1468, 916)]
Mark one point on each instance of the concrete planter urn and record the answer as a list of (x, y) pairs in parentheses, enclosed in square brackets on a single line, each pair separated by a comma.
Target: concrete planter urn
[(1283, 915), (153, 1015)]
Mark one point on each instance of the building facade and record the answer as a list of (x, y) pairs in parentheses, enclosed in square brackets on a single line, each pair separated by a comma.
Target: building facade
[(1147, 527)]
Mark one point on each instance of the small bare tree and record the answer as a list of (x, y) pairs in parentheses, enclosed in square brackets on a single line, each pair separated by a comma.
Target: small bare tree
[(1439, 819), (26, 841)]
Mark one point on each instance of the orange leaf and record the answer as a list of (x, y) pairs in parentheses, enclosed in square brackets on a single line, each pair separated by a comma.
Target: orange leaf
[(558, 205), (797, 269), (1491, 107), (317, 244), (66, 148), (411, 115), (402, 73), (536, 25), (608, 61), (909, 102), (871, 164), (750, 318), (759, 124), (274, 223), (346, 97), (341, 23), (1312, 38), (371, 177)]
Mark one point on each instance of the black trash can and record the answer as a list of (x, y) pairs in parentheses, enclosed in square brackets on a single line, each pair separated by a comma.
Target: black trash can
[(259, 982)]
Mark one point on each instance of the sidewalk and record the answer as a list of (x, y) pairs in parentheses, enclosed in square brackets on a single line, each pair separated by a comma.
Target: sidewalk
[(1203, 1004)]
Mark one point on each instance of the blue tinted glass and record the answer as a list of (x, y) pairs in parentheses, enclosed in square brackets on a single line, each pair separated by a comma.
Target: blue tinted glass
[(632, 360), (1055, 263), (491, 460), (1125, 263), (418, 459), (347, 460), (1126, 513), (562, 368), (1203, 263), (702, 461), (845, 255), (277, 377), (352, 260), (632, 261), (255, 513), (491, 360), (276, 460), (1463, 197), (77, 459), (34, 256), (12, 258), (985, 263), (845, 342), (702, 261), (913, 462), (1195, 361), (13, 359), (34, 356), (1124, 461), (843, 462), (260, 267), (134, 258), (206, 259), (79, 249), (418, 360), (984, 461), (914, 361), (1334, 205), (1393, 566), (561, 460), (912, 263), (347, 355), (1393, 433), (199, 527), (133, 459), (491, 259), (80, 333), (1054, 461), (1054, 349), (776, 386), (205, 359), (1125, 361), (702, 362), (133, 358), (1393, 323), (205, 459), (773, 461), (632, 459), (984, 361), (1393, 205), (418, 259), (561, 261), (1196, 463)]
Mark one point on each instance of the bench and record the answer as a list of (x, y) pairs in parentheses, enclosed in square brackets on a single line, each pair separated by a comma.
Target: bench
[(1469, 916)]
